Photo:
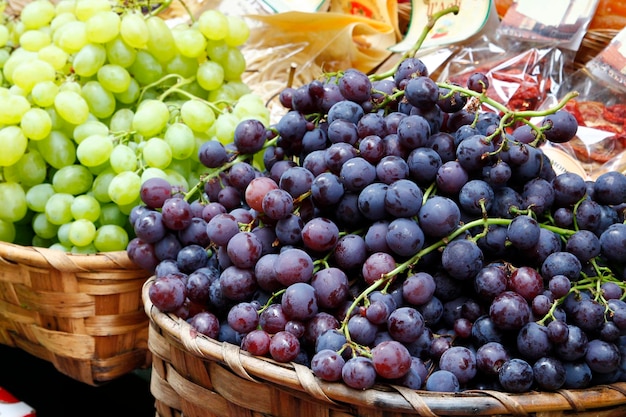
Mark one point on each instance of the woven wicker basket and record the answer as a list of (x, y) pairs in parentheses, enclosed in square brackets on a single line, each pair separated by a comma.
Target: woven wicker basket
[(82, 313), (196, 376)]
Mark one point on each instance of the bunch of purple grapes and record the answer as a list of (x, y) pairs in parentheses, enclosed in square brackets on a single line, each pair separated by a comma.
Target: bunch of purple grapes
[(398, 231)]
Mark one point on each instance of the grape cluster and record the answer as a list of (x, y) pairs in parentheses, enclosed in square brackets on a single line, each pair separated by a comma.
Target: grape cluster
[(389, 228), (97, 97)]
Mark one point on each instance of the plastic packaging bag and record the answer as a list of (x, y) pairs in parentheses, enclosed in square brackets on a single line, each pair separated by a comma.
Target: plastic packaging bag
[(600, 110), (527, 58)]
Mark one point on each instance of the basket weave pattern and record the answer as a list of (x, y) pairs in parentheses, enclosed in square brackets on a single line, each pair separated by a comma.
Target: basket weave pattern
[(82, 313), (196, 376)]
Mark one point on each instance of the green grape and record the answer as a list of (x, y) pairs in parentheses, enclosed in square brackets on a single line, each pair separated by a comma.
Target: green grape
[(13, 144), (28, 74), (90, 249), (94, 150), (177, 179), (59, 208), (194, 89), (197, 115), (124, 188), (111, 238), (251, 106), (17, 91), (210, 75), (59, 247), (234, 65), (72, 179), (54, 56), (12, 108), (240, 88), (7, 231), (134, 30), (213, 24), (82, 232), (224, 96), (110, 213), (182, 65), (85, 9), (99, 168), (217, 50), (120, 53), (122, 120), (183, 166), (57, 149), (123, 158), (225, 127), (160, 40), (89, 59), (150, 118), (38, 195), (131, 94), (4, 36), (66, 6), (30, 170), (71, 37), (58, 123), (90, 127), (146, 69), (34, 40), (103, 26), (12, 201), (4, 55), (63, 233), (152, 172), (114, 78), (17, 28), (238, 31), (18, 56), (190, 42), (43, 228), (180, 139), (36, 124), (101, 101), (37, 14), (71, 85), (100, 185), (43, 93), (60, 20), (86, 207), (72, 107), (157, 153)]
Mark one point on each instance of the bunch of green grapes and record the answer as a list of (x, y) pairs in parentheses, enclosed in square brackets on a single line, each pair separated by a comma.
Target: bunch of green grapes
[(95, 99)]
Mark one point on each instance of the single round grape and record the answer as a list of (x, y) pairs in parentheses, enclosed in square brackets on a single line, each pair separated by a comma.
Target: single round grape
[(560, 126), (359, 372), (284, 346), (327, 365), (516, 375), (461, 361), (442, 381), (257, 342), (167, 293)]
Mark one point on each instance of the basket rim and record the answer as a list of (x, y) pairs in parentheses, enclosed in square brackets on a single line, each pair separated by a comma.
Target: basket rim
[(301, 378), (64, 261)]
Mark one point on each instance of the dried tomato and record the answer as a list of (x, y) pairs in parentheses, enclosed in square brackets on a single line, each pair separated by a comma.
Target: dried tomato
[(572, 107), (615, 113)]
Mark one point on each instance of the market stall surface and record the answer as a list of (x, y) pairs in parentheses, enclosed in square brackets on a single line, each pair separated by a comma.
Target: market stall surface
[(53, 394)]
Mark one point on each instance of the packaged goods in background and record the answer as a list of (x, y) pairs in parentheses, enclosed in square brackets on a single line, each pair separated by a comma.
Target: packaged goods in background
[(600, 110), (13, 407)]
